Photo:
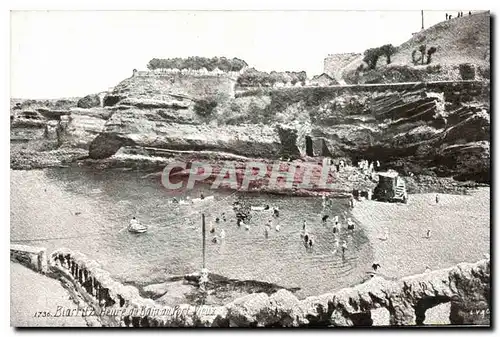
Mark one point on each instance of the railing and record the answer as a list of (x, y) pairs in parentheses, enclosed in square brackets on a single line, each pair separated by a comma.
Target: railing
[(466, 286), (32, 257)]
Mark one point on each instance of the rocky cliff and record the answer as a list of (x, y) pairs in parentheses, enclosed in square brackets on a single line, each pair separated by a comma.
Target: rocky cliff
[(441, 128), (437, 128)]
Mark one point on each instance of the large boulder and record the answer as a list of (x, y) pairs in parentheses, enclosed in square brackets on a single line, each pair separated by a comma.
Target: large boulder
[(89, 101)]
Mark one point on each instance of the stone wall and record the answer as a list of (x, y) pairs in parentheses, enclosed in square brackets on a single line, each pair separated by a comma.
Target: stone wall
[(32, 257), (466, 286), (164, 86)]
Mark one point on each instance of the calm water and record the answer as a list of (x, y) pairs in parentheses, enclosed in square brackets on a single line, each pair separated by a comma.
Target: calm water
[(44, 203)]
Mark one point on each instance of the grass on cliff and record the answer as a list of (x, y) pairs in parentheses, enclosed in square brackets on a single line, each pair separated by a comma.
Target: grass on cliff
[(459, 40)]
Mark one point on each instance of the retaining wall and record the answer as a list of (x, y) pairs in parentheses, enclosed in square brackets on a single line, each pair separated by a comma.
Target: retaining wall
[(32, 257), (466, 286)]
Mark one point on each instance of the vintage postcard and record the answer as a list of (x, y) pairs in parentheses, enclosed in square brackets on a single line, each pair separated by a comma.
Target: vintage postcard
[(250, 168)]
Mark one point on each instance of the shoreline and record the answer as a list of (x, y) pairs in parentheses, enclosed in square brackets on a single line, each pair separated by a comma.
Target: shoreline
[(459, 224)]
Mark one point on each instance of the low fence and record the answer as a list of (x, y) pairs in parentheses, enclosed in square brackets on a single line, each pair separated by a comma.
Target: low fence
[(466, 286)]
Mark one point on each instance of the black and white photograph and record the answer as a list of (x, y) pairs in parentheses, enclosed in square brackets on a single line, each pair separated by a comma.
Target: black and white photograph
[(243, 168)]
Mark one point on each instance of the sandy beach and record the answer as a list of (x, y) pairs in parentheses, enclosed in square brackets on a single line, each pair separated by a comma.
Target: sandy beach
[(459, 224)]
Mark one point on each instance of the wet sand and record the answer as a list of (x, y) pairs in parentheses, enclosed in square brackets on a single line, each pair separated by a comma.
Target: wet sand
[(459, 224)]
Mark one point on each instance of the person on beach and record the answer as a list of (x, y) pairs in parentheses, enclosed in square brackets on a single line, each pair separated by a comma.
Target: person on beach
[(336, 244), (325, 218), (215, 240), (306, 238), (344, 247), (202, 196), (223, 216), (266, 231), (217, 220), (336, 228), (266, 208), (428, 234), (375, 266), (437, 198), (311, 242), (276, 212), (350, 224), (212, 228), (304, 226), (325, 201), (386, 234)]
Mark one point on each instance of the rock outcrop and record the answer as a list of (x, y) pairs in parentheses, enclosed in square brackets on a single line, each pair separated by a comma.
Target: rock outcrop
[(89, 101), (466, 286), (437, 128)]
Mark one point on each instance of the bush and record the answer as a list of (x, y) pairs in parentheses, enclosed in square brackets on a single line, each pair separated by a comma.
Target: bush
[(431, 51), (197, 62), (205, 107), (253, 77), (371, 57), (422, 49), (388, 50), (414, 58), (467, 71)]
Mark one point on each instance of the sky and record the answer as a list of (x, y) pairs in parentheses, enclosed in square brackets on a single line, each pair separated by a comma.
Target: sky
[(58, 54)]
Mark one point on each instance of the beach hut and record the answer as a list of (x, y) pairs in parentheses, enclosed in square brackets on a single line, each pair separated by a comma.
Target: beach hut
[(391, 187)]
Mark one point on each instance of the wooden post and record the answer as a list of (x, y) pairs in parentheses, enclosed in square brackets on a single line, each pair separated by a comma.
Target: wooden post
[(203, 236)]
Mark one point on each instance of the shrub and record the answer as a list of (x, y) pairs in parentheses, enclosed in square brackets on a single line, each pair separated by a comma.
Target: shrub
[(197, 62), (467, 71), (371, 57), (253, 77), (431, 51), (388, 50), (205, 107), (414, 58), (422, 49)]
